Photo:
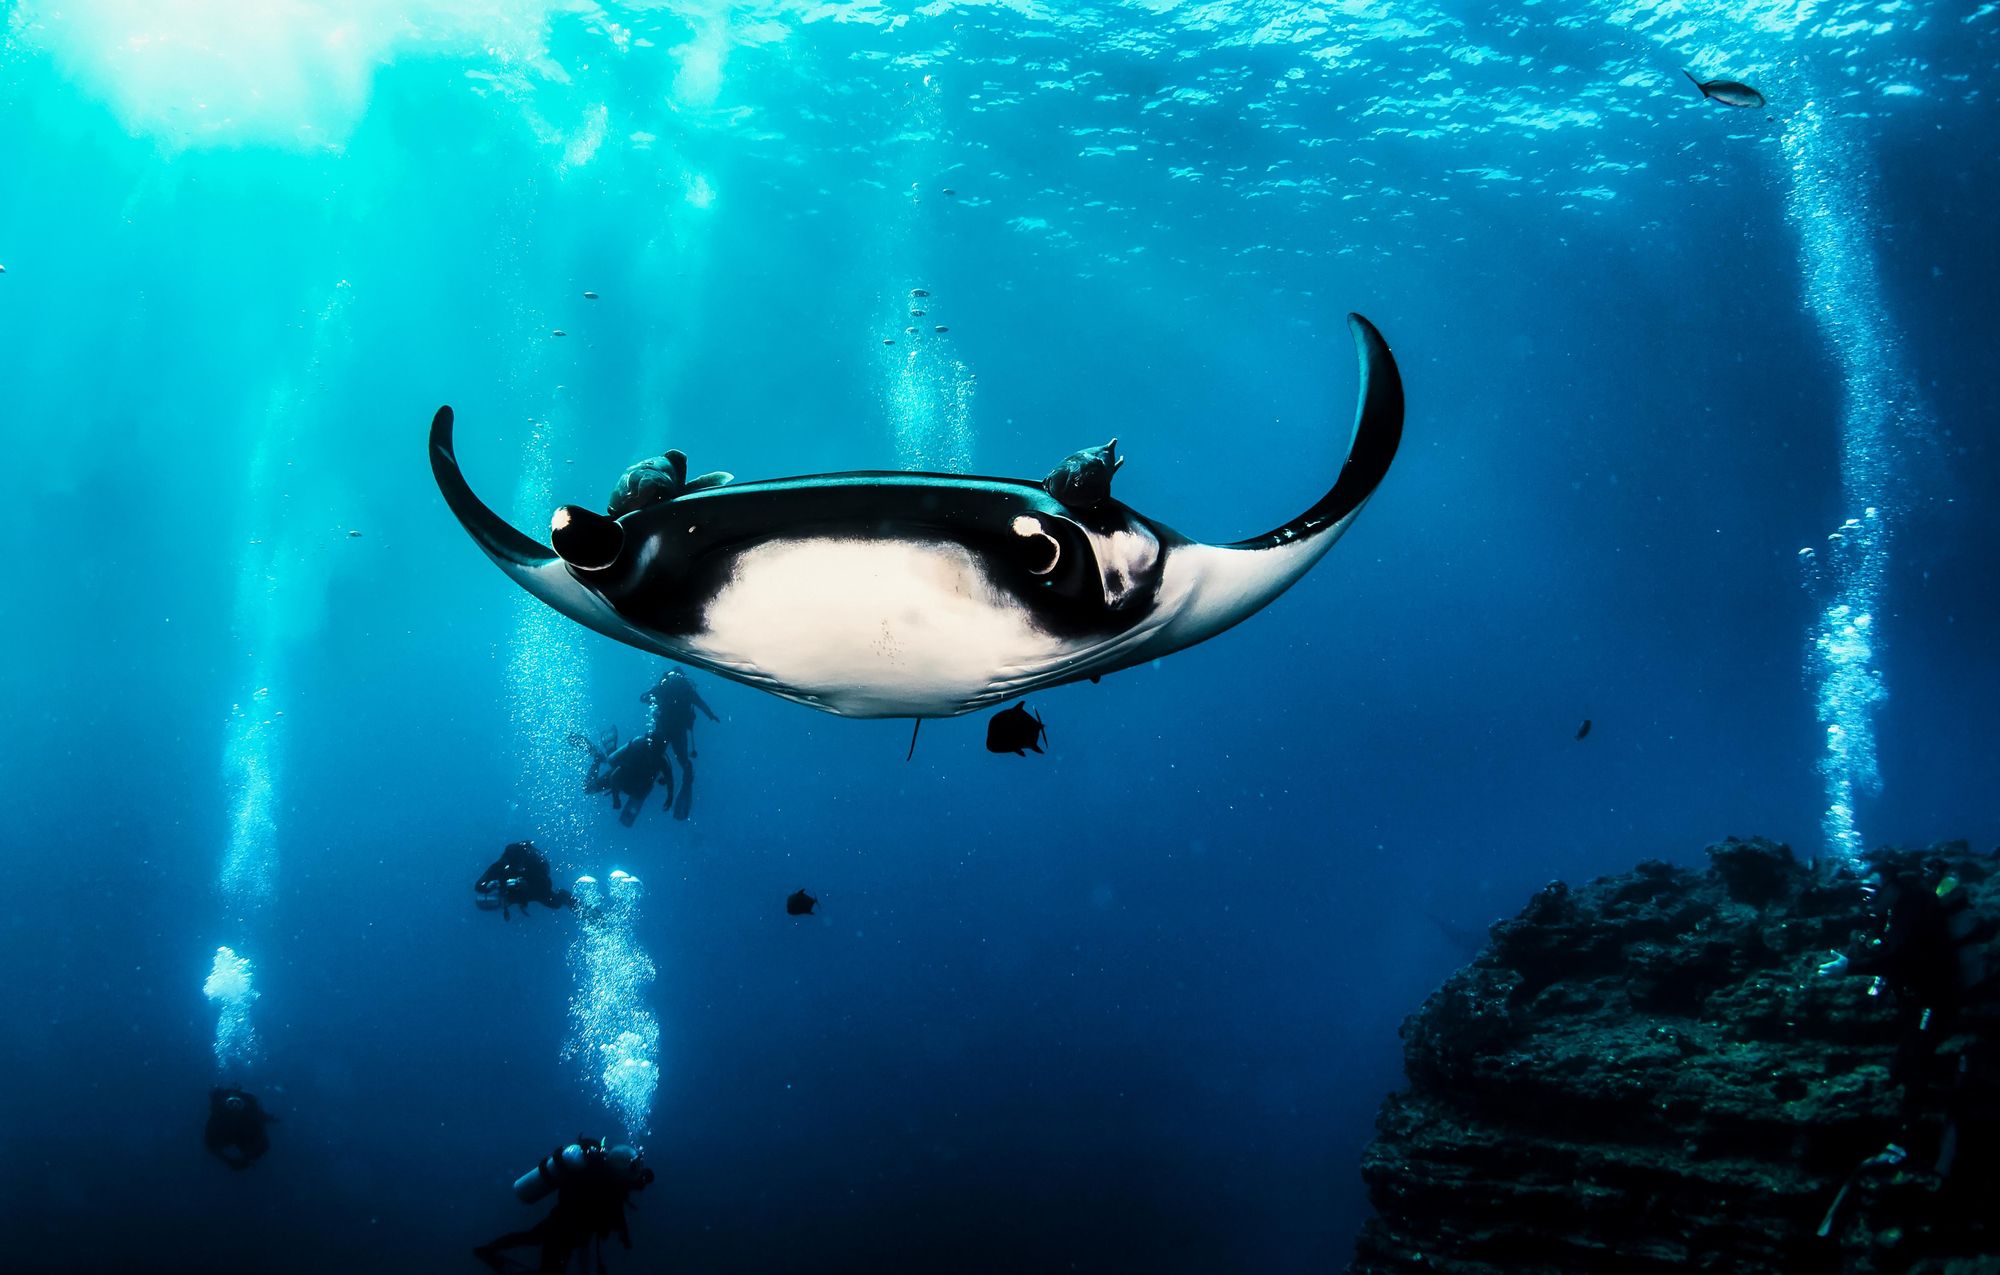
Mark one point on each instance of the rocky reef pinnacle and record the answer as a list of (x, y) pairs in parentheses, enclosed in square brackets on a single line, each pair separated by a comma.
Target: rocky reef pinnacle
[(1649, 1073)]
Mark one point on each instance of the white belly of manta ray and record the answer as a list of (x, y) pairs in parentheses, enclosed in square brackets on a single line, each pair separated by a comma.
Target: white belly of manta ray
[(874, 628)]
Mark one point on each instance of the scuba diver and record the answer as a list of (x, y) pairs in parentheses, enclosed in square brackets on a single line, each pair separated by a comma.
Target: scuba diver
[(673, 703), (1924, 958), (1927, 958), (517, 878), (236, 1123), (627, 772), (593, 1181)]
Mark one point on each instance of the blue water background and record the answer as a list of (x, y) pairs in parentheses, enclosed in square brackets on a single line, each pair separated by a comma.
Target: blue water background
[(1126, 1007)]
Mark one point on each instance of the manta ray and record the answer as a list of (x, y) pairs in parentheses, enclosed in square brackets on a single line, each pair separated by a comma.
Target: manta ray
[(886, 594)]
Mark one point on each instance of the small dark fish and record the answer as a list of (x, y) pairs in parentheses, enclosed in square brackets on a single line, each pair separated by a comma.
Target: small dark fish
[(888, 340), (1728, 92), (1015, 730), (354, 535), (916, 314), (940, 328), (558, 332), (590, 296), (918, 292), (1584, 729), (800, 904), (947, 191)]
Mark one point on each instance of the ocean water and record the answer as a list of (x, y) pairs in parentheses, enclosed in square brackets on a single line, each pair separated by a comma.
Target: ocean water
[(1128, 1006)]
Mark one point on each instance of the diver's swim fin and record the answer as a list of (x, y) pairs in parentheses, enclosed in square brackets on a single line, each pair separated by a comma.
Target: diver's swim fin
[(1888, 1157)]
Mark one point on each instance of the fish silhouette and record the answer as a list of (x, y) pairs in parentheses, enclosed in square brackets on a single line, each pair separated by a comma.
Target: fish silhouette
[(1015, 730)]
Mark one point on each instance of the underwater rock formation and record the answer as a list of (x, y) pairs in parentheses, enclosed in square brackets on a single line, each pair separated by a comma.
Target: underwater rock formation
[(1647, 1074)]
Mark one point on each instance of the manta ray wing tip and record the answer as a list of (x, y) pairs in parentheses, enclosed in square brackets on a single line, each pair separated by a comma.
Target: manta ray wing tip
[(441, 428)]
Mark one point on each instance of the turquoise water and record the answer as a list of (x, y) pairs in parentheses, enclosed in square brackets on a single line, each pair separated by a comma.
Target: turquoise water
[(1127, 1006)]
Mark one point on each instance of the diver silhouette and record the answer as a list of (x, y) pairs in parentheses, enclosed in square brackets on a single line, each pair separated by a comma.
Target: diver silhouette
[(520, 876), (673, 702), (593, 1183), (627, 772), (236, 1123)]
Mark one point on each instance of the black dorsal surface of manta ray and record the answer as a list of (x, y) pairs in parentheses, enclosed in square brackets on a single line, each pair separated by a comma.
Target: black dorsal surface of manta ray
[(887, 594)]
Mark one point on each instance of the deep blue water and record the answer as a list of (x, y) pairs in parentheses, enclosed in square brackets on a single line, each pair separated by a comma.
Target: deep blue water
[(1129, 1006)]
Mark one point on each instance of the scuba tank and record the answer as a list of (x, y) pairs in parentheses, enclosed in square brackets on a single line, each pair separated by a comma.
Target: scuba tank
[(536, 1183), (491, 895), (621, 1163)]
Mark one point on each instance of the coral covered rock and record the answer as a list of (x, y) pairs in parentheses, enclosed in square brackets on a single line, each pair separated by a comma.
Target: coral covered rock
[(1648, 1073)]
